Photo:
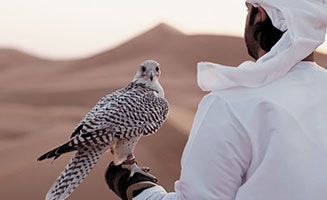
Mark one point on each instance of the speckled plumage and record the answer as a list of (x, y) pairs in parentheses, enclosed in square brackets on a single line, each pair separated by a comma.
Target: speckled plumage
[(117, 121)]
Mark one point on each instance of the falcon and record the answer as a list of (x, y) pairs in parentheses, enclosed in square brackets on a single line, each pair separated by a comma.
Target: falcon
[(116, 122)]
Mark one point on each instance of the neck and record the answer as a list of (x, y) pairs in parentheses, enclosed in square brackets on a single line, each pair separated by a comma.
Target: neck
[(153, 85), (310, 57), (261, 52)]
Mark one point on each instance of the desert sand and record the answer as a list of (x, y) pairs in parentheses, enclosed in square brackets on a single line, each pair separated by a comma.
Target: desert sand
[(41, 102)]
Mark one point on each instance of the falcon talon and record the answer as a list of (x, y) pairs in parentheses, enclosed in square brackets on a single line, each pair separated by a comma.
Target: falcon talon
[(145, 169), (129, 162), (133, 168)]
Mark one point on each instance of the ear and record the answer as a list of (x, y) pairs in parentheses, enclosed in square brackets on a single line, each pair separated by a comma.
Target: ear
[(262, 14)]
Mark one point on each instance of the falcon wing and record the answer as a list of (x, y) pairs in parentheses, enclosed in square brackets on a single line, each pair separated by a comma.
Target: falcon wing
[(156, 112), (104, 101), (133, 112)]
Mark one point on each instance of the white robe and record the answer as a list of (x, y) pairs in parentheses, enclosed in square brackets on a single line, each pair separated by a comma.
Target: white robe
[(263, 143)]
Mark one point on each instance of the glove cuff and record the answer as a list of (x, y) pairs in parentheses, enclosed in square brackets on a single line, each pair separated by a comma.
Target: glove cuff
[(138, 186)]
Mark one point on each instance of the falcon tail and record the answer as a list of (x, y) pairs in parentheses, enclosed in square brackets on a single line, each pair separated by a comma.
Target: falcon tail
[(75, 171), (65, 148)]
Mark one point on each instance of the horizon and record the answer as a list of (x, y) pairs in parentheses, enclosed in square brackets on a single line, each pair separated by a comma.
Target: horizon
[(64, 58), (81, 28), (161, 24)]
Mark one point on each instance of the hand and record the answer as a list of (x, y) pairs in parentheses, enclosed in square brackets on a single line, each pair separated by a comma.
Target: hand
[(126, 187)]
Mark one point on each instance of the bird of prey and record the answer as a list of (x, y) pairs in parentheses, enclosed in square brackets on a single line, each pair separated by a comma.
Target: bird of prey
[(116, 122)]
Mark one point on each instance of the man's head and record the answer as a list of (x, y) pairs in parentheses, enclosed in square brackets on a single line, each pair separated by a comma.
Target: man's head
[(260, 35)]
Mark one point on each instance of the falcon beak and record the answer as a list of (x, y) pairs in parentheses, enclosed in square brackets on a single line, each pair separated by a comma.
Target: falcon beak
[(151, 74)]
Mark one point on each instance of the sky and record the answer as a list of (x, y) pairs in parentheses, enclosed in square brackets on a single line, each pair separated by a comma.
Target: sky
[(66, 29)]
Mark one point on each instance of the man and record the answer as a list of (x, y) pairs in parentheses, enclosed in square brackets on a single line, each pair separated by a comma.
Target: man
[(261, 133)]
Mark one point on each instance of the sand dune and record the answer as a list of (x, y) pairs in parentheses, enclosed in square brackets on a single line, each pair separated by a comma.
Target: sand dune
[(41, 101)]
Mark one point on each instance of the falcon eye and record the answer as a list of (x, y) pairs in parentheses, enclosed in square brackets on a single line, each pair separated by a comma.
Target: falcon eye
[(143, 69), (157, 69)]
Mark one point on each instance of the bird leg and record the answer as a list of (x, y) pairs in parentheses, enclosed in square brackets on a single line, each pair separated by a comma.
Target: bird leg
[(131, 165)]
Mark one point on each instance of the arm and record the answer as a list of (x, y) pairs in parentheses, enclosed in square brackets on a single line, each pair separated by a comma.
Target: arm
[(217, 154), (215, 159)]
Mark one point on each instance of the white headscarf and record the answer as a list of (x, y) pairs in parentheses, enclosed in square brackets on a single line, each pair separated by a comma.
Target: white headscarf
[(305, 23)]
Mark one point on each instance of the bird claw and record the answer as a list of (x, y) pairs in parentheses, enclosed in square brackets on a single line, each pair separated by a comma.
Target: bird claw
[(133, 168), (145, 169)]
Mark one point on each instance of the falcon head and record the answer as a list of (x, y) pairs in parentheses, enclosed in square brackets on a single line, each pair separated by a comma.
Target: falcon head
[(149, 70)]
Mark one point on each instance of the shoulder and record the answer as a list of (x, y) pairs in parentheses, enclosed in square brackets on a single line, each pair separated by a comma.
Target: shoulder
[(216, 127), (214, 111), (239, 107)]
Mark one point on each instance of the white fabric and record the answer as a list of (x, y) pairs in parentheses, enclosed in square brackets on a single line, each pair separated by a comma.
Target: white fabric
[(263, 143), (305, 23)]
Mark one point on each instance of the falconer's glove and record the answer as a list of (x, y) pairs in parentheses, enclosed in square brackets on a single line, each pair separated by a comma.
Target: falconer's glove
[(118, 179)]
